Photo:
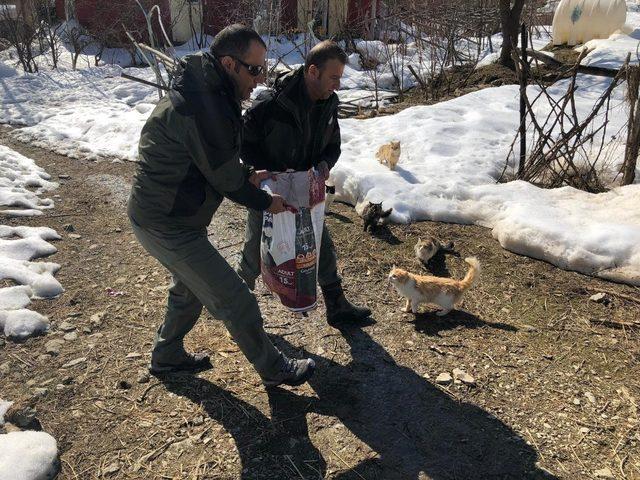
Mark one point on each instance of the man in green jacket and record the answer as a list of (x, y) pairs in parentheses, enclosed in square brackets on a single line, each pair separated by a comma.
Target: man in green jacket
[(295, 127), (189, 161)]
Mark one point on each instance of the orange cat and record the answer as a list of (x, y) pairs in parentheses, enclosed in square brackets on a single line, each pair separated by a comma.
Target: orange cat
[(389, 154), (444, 292)]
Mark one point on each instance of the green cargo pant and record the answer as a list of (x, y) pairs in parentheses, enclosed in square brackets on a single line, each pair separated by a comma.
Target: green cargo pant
[(249, 259), (201, 276)]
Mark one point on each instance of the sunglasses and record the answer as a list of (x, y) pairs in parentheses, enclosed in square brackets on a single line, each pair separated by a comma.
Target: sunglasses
[(254, 70)]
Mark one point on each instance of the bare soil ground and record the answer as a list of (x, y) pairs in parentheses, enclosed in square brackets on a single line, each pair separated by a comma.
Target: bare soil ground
[(557, 375)]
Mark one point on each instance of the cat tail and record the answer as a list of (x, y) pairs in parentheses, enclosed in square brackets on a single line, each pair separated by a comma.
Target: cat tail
[(472, 274)]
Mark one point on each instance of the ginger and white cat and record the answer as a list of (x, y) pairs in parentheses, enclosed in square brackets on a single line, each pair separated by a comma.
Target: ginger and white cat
[(389, 154), (441, 291)]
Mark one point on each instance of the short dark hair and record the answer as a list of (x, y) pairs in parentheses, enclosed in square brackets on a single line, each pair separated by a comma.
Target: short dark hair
[(323, 52), (234, 41)]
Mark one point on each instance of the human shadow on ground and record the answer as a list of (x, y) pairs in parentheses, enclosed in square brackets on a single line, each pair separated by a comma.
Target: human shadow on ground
[(413, 429), (277, 447)]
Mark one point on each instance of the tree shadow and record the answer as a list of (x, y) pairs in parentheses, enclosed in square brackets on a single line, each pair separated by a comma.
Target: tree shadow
[(412, 427), (431, 324)]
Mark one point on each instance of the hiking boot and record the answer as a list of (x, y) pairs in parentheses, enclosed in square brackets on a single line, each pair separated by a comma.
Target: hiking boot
[(339, 309), (190, 362), (293, 372)]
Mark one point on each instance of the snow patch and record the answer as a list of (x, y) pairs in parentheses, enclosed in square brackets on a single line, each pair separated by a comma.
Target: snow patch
[(28, 455)]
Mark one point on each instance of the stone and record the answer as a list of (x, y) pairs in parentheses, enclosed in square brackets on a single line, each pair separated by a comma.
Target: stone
[(74, 236), (96, 318), (464, 377), (590, 397), (40, 392), (111, 469), (71, 336), (604, 473), (66, 326), (600, 298), (22, 416), (143, 377), (584, 430), (64, 176), (199, 420), (52, 347), (75, 362), (444, 379)]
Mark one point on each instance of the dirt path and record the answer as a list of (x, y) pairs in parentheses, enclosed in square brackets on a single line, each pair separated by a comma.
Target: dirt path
[(557, 386)]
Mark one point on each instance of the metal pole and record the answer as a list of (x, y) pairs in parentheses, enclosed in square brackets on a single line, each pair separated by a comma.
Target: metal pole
[(523, 106)]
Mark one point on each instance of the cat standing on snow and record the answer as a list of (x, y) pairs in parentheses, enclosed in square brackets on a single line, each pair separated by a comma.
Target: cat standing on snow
[(444, 292), (389, 154), (426, 249), (373, 215)]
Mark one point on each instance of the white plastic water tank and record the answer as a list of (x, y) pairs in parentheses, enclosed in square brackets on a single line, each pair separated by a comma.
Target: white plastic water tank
[(578, 21)]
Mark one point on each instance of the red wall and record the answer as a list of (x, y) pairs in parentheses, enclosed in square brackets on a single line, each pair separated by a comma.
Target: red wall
[(218, 13), (110, 11)]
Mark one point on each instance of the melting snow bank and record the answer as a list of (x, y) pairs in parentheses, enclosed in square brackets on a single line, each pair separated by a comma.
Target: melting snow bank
[(20, 245), (28, 455), (19, 174), (452, 155)]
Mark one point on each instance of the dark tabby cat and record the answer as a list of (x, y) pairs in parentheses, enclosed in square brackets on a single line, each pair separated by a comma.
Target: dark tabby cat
[(373, 215)]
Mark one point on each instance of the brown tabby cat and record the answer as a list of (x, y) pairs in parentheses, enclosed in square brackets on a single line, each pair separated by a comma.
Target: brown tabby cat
[(389, 154), (441, 291), (426, 249)]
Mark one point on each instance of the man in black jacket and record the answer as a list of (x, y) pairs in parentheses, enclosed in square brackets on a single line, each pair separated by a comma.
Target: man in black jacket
[(189, 160), (295, 127)]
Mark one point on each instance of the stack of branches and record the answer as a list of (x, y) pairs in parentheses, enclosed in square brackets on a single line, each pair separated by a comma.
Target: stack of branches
[(567, 149), (153, 56)]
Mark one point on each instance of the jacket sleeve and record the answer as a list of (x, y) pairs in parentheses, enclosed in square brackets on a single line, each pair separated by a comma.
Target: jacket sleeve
[(252, 148), (216, 156), (331, 153)]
